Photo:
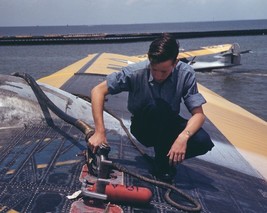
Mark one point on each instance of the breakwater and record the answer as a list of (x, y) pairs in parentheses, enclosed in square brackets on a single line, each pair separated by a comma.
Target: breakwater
[(111, 38)]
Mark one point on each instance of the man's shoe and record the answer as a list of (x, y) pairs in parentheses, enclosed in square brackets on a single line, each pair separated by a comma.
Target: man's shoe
[(165, 174), (166, 177)]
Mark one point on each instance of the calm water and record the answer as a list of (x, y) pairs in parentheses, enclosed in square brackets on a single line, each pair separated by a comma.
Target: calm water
[(245, 85)]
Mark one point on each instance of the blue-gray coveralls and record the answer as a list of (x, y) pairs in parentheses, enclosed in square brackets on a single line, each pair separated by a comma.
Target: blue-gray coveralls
[(156, 106)]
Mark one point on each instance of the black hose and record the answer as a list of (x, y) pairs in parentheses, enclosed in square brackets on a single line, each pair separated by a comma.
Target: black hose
[(81, 125), (166, 186), (88, 131)]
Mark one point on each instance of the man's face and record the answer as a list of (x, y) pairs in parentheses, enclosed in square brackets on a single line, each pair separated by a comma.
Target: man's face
[(161, 71)]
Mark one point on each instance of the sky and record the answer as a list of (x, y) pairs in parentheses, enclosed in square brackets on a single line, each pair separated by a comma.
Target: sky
[(101, 12)]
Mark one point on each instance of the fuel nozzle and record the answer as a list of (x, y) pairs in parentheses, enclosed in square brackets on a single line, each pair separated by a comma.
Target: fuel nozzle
[(98, 163), (103, 150)]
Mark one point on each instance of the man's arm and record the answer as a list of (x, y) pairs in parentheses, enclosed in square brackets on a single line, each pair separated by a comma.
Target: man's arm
[(178, 149), (98, 94)]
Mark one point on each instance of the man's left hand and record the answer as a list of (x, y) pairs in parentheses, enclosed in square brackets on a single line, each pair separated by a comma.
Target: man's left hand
[(177, 152)]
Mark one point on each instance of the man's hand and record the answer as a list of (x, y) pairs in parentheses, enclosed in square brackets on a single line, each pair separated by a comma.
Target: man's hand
[(178, 150), (96, 140)]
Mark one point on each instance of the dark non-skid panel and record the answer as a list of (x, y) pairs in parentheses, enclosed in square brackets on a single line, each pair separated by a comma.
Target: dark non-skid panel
[(39, 167), (42, 180), (82, 84)]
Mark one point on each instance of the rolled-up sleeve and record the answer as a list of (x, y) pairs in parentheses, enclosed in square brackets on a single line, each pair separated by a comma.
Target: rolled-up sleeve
[(192, 98), (118, 82), (121, 81)]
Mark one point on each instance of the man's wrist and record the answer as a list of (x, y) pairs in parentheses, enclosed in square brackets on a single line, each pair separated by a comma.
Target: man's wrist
[(101, 130), (188, 133)]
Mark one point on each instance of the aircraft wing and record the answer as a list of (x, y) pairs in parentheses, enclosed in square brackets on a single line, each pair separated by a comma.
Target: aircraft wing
[(106, 63), (39, 165), (98, 64), (215, 49)]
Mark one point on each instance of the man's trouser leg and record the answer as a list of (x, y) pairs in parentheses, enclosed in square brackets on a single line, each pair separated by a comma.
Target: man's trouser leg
[(157, 126)]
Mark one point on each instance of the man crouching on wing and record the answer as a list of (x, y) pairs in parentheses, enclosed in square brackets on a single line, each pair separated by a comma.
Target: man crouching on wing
[(156, 88)]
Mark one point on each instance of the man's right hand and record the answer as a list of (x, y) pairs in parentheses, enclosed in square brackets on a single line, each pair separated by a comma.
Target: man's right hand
[(96, 140)]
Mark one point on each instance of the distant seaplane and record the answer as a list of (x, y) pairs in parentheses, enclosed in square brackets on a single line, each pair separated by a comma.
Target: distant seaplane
[(227, 55)]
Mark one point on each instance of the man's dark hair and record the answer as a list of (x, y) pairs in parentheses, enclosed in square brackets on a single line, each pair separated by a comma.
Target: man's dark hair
[(163, 48)]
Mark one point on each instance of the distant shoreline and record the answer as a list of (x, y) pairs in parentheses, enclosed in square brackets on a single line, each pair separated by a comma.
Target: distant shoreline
[(118, 38)]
